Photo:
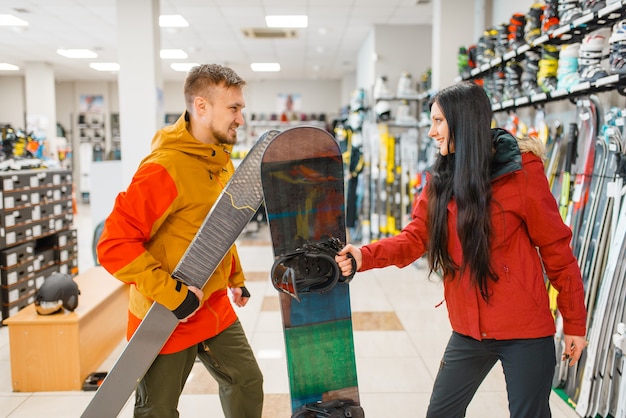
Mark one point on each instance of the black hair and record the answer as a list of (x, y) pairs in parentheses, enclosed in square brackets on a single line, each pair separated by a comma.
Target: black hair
[(465, 176)]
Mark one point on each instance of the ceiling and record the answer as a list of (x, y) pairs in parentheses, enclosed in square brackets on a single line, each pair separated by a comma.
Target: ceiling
[(326, 50)]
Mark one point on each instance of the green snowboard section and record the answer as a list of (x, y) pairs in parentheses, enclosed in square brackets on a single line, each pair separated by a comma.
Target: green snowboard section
[(321, 358)]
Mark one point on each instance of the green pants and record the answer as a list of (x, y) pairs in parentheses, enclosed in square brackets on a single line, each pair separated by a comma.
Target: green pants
[(229, 359)]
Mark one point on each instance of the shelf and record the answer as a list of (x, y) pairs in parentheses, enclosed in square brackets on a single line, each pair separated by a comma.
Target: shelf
[(418, 97), (402, 124), (577, 28), (585, 88)]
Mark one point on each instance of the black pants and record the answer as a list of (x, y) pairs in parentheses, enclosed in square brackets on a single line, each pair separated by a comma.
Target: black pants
[(528, 366)]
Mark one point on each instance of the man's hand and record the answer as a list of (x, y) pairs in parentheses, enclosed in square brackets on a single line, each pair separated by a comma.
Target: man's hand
[(240, 295), (200, 295)]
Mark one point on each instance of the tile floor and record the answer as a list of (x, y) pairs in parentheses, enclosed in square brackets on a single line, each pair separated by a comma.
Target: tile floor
[(399, 338)]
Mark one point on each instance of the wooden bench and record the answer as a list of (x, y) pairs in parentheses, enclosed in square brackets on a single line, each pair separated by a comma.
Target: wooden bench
[(57, 352)]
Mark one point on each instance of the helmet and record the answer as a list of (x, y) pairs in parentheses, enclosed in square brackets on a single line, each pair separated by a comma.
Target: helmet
[(383, 110), (58, 291)]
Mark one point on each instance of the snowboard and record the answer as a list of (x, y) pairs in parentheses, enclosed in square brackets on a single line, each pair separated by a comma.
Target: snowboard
[(303, 185), (232, 211)]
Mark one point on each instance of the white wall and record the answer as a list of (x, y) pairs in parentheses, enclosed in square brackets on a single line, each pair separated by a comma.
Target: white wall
[(12, 101), (365, 65), (348, 85), (318, 96), (503, 9), (402, 49), (65, 102), (390, 50)]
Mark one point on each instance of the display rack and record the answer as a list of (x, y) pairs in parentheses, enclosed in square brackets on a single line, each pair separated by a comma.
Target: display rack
[(36, 238)]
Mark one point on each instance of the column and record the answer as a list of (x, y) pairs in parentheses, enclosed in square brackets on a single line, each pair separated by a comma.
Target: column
[(41, 114), (453, 26), (139, 81)]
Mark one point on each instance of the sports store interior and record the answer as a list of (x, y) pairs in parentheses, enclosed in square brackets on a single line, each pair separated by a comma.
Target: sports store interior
[(84, 84)]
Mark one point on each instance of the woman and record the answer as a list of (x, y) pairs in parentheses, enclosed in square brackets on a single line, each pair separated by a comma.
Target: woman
[(489, 223)]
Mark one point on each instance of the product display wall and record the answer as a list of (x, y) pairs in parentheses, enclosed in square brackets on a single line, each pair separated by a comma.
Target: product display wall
[(564, 64)]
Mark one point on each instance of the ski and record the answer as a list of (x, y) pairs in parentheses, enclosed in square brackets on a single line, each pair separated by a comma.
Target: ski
[(232, 211), (597, 333), (619, 342), (587, 113)]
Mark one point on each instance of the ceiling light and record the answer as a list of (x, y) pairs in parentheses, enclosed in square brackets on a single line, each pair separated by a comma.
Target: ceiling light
[(173, 54), (77, 53), (287, 21), (105, 66), (172, 21), (10, 20), (183, 66), (8, 67), (265, 66)]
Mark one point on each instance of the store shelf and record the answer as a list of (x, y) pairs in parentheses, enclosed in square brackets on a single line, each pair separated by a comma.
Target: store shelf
[(612, 82), (567, 33)]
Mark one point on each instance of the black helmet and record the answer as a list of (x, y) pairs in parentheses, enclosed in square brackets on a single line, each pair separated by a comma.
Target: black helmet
[(57, 291)]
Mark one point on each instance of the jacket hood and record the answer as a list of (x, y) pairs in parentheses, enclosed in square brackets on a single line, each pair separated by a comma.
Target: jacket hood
[(176, 137), (507, 157)]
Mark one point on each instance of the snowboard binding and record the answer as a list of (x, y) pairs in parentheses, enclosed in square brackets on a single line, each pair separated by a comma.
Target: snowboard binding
[(338, 408), (309, 269)]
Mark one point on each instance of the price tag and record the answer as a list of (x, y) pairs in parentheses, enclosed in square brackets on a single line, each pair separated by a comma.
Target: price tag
[(581, 86), (607, 80), (521, 101), (577, 192), (561, 31), (612, 189), (582, 20), (539, 97), (540, 40), (609, 9)]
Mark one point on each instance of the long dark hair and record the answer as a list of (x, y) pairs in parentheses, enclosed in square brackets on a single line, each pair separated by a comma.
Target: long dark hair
[(464, 176)]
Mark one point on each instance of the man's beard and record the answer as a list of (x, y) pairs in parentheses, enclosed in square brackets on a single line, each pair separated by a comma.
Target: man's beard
[(225, 137)]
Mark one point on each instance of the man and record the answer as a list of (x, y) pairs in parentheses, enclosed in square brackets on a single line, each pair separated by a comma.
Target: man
[(148, 231)]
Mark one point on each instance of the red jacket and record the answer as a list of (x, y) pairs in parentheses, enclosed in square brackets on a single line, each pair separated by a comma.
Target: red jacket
[(527, 229)]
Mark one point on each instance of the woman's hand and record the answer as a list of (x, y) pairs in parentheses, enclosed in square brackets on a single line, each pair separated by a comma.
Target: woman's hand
[(345, 263), (574, 346)]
